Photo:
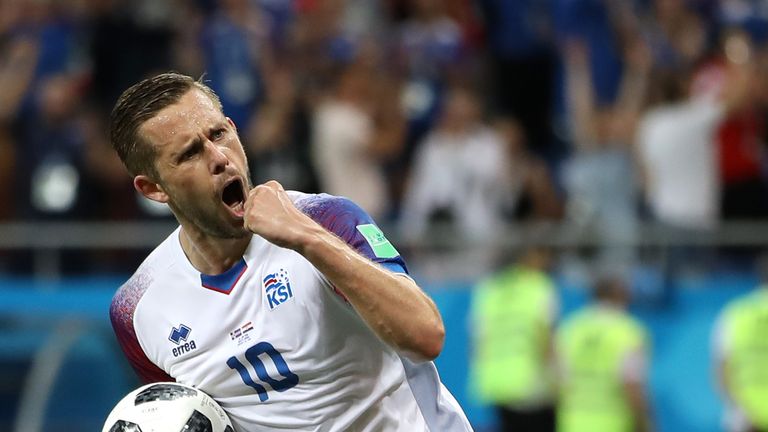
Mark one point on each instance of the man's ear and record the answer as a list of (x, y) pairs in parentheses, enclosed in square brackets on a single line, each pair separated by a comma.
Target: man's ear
[(150, 189)]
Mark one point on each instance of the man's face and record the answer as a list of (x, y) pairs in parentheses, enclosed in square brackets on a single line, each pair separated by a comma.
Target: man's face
[(201, 166)]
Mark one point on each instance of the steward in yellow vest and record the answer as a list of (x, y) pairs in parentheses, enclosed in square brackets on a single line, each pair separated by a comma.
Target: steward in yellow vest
[(742, 359), (601, 353), (513, 314)]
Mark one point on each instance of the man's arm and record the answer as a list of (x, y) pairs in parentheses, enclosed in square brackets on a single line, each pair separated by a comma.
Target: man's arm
[(580, 99), (634, 377), (638, 403), (397, 310)]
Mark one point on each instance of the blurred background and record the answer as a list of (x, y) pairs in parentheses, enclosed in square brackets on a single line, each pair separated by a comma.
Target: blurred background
[(624, 135)]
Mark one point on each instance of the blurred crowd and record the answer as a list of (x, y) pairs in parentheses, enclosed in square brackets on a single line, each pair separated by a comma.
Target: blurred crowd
[(474, 112), (604, 114)]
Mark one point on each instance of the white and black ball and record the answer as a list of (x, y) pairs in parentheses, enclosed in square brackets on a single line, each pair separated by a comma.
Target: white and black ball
[(167, 406)]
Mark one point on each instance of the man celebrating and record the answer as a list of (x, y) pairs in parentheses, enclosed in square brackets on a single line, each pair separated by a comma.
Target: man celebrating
[(292, 310)]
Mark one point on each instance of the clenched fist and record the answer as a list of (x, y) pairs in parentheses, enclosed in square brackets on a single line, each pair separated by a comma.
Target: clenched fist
[(270, 213)]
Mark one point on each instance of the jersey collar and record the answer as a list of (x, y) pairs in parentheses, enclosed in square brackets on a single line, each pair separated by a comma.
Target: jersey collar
[(224, 282)]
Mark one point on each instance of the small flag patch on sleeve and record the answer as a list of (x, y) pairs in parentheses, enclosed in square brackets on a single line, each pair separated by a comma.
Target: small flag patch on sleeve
[(382, 248)]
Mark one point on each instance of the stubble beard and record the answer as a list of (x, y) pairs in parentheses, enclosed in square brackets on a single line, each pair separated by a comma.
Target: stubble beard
[(208, 221)]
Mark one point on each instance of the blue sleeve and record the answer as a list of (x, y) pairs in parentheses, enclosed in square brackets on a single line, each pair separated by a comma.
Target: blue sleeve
[(348, 221)]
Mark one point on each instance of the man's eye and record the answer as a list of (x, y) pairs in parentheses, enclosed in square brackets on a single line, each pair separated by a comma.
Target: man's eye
[(187, 155), (218, 133)]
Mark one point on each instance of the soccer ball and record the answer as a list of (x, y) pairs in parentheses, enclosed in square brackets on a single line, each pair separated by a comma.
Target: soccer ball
[(167, 406)]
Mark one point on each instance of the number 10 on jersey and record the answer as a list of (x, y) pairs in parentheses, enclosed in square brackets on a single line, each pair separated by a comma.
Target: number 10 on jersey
[(288, 380)]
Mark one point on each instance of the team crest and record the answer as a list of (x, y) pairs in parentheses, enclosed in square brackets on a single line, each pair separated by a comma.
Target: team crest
[(277, 288)]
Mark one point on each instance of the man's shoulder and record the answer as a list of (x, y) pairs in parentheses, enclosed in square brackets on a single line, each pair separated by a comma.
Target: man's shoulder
[(752, 300), (331, 211), (127, 296), (126, 299), (321, 203), (163, 255), (348, 221)]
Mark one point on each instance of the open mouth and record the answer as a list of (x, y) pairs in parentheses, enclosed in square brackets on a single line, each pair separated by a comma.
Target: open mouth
[(233, 197)]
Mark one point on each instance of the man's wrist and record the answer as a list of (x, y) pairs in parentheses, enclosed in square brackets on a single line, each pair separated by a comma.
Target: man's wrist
[(311, 240)]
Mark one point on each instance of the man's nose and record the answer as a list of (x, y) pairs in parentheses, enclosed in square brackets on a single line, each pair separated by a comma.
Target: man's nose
[(218, 160)]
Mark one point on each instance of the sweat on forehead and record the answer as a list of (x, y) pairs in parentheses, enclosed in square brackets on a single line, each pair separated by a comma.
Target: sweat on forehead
[(193, 112)]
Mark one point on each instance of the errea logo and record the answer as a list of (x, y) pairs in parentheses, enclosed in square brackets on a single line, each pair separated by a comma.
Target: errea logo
[(179, 335)]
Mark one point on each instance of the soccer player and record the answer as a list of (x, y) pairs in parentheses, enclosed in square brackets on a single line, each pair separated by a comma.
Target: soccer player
[(292, 310)]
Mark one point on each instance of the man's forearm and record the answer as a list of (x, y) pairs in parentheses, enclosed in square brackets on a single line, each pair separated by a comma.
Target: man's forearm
[(635, 392), (393, 306), (400, 313)]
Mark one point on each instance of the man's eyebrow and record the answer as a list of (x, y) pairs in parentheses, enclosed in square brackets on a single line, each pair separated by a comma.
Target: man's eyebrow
[(189, 145), (218, 125)]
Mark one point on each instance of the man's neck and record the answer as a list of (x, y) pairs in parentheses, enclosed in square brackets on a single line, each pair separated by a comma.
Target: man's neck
[(211, 255)]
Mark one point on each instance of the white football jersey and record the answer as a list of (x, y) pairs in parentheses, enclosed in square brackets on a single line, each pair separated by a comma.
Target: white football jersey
[(273, 341)]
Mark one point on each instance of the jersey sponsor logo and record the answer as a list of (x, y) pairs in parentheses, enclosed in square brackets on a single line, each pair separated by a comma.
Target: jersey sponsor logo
[(179, 335), (381, 247), (240, 334), (183, 349), (277, 288)]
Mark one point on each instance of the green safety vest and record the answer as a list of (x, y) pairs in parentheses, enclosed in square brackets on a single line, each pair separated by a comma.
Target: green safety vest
[(511, 313), (746, 329), (591, 347)]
